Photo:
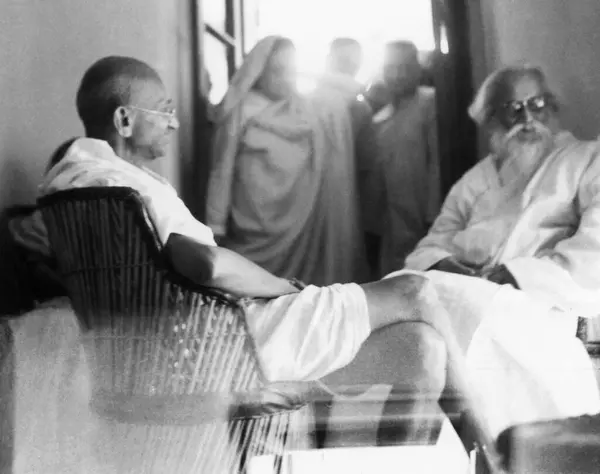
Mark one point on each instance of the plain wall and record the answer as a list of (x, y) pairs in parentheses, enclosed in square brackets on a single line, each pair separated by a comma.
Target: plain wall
[(563, 36), (46, 45)]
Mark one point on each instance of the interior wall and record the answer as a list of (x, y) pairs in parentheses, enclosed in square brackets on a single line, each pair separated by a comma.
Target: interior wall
[(46, 47), (562, 36)]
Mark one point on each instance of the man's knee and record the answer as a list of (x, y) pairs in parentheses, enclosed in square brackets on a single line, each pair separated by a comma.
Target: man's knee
[(404, 287), (406, 297)]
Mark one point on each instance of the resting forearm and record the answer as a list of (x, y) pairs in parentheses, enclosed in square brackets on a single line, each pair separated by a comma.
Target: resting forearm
[(223, 269), (237, 275)]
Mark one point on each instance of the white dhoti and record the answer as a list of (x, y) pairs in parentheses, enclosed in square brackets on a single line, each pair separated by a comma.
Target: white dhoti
[(523, 361)]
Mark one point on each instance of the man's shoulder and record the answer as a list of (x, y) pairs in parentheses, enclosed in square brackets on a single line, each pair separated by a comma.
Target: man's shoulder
[(88, 168), (148, 183), (576, 152)]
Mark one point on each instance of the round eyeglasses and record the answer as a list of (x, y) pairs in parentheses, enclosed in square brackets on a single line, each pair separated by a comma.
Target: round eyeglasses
[(514, 110), (170, 114)]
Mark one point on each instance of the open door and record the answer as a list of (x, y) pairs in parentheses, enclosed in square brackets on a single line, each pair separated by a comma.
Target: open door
[(222, 31)]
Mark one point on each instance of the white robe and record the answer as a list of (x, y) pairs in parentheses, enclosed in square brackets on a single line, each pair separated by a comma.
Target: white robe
[(546, 232), (522, 361)]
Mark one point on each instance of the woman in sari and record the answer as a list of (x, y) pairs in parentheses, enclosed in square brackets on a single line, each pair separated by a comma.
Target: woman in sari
[(282, 185)]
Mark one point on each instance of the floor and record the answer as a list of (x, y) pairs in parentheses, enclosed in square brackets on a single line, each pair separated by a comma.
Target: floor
[(447, 456)]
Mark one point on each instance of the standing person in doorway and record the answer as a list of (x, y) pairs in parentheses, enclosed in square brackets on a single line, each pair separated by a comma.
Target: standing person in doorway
[(409, 163), (339, 81), (281, 189)]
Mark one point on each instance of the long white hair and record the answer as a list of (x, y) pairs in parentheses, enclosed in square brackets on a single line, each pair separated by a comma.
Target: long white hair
[(481, 109)]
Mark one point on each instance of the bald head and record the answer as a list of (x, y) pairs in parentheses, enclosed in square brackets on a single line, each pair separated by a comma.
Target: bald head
[(110, 83), (511, 83)]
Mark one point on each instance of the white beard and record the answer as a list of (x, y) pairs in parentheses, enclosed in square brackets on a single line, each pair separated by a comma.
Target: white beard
[(519, 158)]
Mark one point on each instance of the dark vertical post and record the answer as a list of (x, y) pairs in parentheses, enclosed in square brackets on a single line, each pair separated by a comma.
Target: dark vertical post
[(454, 89), (7, 401)]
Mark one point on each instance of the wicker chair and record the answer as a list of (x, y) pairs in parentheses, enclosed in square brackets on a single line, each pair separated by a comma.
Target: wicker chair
[(175, 377)]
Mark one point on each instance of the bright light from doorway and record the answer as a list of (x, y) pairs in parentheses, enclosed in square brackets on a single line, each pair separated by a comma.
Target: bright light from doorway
[(312, 24)]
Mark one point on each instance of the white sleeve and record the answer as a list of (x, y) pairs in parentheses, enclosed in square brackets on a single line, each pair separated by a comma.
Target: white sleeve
[(171, 216), (166, 210)]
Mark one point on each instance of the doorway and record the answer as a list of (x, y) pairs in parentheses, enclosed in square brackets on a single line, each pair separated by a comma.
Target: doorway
[(227, 29)]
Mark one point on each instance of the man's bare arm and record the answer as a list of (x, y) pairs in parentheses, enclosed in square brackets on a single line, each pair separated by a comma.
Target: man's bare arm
[(223, 269)]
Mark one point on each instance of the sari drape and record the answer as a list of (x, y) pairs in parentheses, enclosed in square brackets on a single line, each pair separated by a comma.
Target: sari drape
[(282, 185)]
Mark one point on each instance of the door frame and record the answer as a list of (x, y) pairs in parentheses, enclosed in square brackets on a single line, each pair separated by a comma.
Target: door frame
[(458, 134), (196, 116)]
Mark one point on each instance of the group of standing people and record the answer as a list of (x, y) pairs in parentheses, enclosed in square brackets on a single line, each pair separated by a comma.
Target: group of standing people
[(332, 186), (314, 186)]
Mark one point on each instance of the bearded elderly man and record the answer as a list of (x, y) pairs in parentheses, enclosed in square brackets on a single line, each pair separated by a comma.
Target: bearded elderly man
[(521, 230), (528, 215)]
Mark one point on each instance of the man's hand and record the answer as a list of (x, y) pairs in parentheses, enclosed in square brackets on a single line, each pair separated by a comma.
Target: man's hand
[(502, 276), (452, 265)]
